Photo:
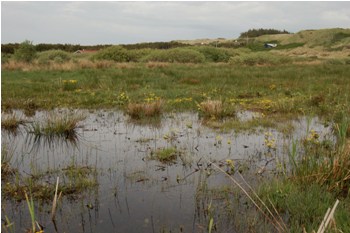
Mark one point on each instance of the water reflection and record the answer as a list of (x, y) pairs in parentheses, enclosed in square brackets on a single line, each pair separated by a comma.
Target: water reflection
[(136, 194), (34, 142)]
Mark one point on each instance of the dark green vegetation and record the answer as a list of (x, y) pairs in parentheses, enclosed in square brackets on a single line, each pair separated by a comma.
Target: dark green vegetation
[(262, 31), (76, 180)]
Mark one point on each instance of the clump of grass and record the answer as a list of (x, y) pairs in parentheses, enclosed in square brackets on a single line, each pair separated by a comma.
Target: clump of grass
[(10, 122), (76, 180), (303, 206), (215, 109), (318, 164), (6, 156), (166, 155), (145, 110), (57, 126), (69, 85), (211, 108)]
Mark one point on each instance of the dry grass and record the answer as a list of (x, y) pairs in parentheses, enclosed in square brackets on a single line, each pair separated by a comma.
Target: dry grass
[(157, 64), (212, 108), (10, 122), (67, 66), (190, 81), (145, 110)]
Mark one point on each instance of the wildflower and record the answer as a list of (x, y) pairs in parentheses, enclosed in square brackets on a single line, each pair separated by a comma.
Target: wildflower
[(231, 166), (218, 138), (269, 141)]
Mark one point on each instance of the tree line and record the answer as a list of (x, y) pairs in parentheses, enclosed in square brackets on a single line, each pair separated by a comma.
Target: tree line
[(261, 31), (12, 47)]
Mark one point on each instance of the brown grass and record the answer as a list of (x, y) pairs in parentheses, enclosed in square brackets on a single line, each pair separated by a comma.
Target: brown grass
[(157, 64), (190, 81), (141, 110), (67, 66), (10, 122), (212, 108)]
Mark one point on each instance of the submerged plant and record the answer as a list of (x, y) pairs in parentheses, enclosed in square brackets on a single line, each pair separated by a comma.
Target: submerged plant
[(166, 155)]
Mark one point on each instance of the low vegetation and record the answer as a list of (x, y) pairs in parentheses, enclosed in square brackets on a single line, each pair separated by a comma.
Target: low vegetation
[(10, 122), (139, 111), (55, 125), (166, 155)]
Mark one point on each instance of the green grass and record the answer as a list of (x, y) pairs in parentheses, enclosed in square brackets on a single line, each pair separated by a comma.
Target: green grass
[(271, 89), (56, 125), (75, 179), (165, 155)]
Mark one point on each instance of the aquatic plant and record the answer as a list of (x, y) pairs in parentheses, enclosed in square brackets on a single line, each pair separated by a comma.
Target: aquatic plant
[(166, 155), (57, 125)]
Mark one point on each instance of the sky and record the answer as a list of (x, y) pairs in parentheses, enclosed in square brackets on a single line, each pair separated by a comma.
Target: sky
[(91, 23)]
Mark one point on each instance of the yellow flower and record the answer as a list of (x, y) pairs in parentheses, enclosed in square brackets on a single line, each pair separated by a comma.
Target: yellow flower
[(230, 162)]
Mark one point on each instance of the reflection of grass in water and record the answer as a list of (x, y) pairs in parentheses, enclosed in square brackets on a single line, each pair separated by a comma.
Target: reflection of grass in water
[(6, 157)]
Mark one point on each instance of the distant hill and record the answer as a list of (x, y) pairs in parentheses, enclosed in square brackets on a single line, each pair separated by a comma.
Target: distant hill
[(335, 38)]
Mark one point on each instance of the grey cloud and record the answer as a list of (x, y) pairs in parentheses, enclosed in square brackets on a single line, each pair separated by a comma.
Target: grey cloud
[(132, 22)]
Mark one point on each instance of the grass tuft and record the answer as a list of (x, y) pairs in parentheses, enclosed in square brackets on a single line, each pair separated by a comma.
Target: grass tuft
[(215, 109), (145, 110), (10, 122), (57, 126), (165, 155)]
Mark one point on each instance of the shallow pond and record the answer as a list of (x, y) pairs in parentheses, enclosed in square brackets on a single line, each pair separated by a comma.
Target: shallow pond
[(135, 192)]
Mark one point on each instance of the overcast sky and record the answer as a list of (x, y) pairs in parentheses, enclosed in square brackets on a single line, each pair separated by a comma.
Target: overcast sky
[(89, 23)]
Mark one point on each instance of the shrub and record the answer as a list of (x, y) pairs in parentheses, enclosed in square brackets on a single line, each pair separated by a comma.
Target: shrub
[(57, 56), (259, 58), (214, 54), (5, 58), (137, 55), (113, 53), (26, 52), (181, 55)]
